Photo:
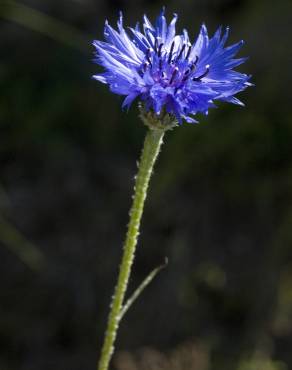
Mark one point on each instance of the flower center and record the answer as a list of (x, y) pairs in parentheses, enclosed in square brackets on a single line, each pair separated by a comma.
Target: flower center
[(172, 67)]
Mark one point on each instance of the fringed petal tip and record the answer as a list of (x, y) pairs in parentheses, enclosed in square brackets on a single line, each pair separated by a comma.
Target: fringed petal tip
[(100, 78)]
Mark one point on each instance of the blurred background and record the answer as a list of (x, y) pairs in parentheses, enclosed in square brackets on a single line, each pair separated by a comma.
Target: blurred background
[(220, 203)]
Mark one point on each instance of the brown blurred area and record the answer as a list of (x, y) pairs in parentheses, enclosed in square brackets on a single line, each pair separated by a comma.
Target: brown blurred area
[(219, 207)]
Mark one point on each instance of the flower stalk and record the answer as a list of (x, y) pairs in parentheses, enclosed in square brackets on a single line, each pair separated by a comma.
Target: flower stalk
[(152, 144)]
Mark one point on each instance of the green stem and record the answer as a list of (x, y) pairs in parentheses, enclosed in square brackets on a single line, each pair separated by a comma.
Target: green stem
[(152, 144)]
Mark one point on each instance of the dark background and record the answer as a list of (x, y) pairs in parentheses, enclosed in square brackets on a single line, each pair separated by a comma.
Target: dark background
[(220, 203)]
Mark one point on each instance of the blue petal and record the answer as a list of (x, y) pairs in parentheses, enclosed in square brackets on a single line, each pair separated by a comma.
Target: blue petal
[(171, 31), (161, 26)]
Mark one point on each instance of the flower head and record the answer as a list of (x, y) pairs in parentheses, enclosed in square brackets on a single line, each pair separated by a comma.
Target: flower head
[(166, 71)]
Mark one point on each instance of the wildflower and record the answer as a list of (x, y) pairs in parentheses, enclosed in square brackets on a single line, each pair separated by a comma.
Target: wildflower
[(166, 71), (174, 81)]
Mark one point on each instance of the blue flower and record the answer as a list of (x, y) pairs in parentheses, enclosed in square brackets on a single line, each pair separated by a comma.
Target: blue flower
[(166, 71)]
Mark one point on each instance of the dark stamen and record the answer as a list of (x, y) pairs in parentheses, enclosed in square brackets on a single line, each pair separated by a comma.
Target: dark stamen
[(188, 53), (186, 75), (203, 75), (148, 56), (156, 45), (145, 65), (194, 64), (190, 69), (159, 50), (173, 76), (160, 64), (170, 53), (181, 52)]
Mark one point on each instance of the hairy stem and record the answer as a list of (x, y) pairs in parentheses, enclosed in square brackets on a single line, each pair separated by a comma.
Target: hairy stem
[(152, 144)]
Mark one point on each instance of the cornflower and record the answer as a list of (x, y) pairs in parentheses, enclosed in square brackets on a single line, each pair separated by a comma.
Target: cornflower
[(166, 71), (173, 79)]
